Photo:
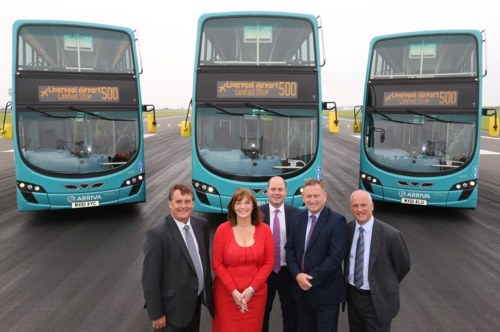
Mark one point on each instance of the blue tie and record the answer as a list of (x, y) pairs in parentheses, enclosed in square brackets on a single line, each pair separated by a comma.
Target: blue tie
[(359, 260)]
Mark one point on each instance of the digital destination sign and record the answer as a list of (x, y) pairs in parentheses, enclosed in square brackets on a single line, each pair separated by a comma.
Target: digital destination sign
[(258, 89), (421, 98), (77, 93)]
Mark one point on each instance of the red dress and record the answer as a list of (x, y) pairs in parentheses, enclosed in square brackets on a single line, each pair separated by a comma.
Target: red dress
[(238, 267)]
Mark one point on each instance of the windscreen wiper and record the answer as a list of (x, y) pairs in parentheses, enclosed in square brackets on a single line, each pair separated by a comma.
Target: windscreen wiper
[(275, 112), (223, 109), (435, 118), (95, 114), (47, 114), (392, 120)]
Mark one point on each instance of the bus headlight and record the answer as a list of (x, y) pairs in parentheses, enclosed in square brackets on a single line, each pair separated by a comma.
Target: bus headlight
[(29, 187), (204, 188)]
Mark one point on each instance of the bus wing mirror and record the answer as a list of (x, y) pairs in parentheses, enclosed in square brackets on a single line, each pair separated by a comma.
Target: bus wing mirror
[(493, 129), (185, 128), (333, 118), (152, 124), (6, 130), (356, 128), (493, 126), (186, 124)]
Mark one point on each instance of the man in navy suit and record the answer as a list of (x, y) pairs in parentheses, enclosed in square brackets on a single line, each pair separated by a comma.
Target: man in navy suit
[(376, 262), (315, 249), (280, 280), (176, 275)]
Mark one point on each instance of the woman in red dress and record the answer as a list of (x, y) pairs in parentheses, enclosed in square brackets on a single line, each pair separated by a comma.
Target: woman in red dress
[(242, 259)]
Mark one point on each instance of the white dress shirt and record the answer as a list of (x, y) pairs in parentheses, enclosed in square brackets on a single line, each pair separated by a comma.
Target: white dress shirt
[(368, 227)]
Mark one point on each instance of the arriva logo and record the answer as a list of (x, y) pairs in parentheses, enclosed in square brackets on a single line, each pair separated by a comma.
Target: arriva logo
[(404, 194), (72, 199)]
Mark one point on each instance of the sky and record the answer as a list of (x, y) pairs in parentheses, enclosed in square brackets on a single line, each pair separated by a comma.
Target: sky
[(167, 37)]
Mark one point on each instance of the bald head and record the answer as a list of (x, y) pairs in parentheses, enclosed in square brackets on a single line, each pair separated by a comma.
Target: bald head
[(362, 206)]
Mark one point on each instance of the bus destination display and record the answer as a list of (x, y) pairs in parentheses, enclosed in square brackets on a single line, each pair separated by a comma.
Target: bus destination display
[(89, 94), (421, 98), (257, 89)]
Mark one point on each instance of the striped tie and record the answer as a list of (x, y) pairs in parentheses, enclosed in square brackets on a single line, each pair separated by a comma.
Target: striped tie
[(359, 260)]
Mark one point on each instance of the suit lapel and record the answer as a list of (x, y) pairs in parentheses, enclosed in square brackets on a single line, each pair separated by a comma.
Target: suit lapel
[(179, 240), (351, 226), (323, 217), (377, 235), (198, 233)]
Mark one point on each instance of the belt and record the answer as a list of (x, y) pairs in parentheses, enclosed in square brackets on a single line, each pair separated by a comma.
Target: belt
[(360, 291)]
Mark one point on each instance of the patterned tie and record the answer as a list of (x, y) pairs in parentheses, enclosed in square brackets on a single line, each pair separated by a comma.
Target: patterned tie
[(194, 257), (359, 260), (311, 229), (276, 236)]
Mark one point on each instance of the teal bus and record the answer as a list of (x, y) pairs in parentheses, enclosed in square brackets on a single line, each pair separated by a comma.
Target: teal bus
[(421, 118), (77, 124), (256, 107)]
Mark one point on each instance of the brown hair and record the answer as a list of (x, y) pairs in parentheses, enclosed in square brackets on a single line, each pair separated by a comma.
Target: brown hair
[(313, 182), (238, 196), (185, 190)]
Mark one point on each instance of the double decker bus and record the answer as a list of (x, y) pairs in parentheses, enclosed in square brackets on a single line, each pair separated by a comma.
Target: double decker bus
[(256, 107), (76, 115), (421, 118)]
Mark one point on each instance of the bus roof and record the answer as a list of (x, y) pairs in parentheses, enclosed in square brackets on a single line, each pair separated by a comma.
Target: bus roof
[(19, 23), (476, 33)]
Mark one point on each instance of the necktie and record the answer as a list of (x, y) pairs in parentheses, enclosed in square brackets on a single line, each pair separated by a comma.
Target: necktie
[(194, 257), (277, 241), (311, 229), (359, 260)]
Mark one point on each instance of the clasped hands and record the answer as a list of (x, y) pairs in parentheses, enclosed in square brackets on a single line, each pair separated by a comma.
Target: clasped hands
[(242, 299), (303, 280)]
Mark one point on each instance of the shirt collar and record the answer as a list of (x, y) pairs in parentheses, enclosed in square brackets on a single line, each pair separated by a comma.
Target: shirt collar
[(367, 227), (309, 214), (272, 209), (181, 225)]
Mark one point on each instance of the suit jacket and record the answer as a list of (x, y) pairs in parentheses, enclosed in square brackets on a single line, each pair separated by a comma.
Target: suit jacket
[(169, 277), (389, 263), (323, 259)]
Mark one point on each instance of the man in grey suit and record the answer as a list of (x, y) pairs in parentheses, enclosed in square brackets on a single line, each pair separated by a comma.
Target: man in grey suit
[(376, 262), (280, 280), (176, 276)]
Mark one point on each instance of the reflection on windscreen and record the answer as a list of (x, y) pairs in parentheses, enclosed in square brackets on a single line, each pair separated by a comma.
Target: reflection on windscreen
[(420, 144), (253, 142), (74, 49), (73, 142), (425, 56), (257, 41)]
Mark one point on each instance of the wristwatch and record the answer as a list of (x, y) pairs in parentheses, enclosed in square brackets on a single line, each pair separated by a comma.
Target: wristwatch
[(251, 289)]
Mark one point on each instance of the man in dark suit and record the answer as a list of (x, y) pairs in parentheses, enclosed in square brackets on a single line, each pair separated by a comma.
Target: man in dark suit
[(280, 280), (314, 253), (176, 275), (377, 260)]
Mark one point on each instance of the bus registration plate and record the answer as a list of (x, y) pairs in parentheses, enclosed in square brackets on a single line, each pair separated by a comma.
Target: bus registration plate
[(413, 201), (78, 205)]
